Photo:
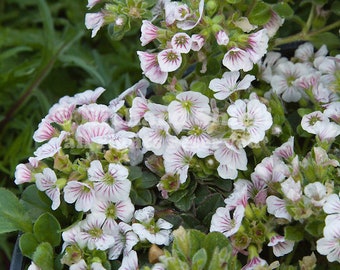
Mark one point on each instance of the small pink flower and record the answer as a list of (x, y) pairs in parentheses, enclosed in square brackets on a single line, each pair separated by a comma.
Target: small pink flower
[(111, 185), (225, 222), (151, 68), (222, 38), (94, 235), (197, 42), (277, 207), (88, 96), (52, 147), (81, 193), (86, 132), (236, 59), (286, 150), (94, 21), (274, 23), (46, 181), (181, 42), (60, 113), (138, 109), (149, 32), (169, 60), (95, 112), (45, 131)]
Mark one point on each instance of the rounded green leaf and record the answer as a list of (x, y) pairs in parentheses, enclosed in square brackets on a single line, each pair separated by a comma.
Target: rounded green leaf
[(260, 14), (12, 214), (47, 229), (283, 10), (28, 244)]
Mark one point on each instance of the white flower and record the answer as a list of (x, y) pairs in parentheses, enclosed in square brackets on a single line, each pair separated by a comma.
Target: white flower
[(130, 261), (95, 112), (94, 235), (92, 3), (327, 131), (223, 222), (94, 21), (155, 138), (175, 11), (81, 193), (86, 132), (236, 59), (251, 117), (50, 148), (228, 154), (197, 42), (60, 113), (112, 185), (333, 111), (138, 109), (305, 52), (188, 105), (332, 208), (181, 42), (228, 84), (125, 240), (149, 32), (316, 192), (330, 244), (151, 68), (111, 211), (286, 150), (222, 38), (169, 60), (309, 120), (274, 23), (277, 207), (284, 80), (119, 140), (155, 232), (47, 181), (270, 170), (88, 96), (177, 160), (23, 173), (45, 131), (291, 189), (280, 245)]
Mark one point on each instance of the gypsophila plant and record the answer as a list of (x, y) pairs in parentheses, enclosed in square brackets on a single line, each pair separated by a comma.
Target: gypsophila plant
[(224, 156)]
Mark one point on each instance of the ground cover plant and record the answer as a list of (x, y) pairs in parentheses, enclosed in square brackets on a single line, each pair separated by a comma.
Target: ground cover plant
[(171, 134)]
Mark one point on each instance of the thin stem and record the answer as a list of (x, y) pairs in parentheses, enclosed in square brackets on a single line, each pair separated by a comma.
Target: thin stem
[(309, 20), (305, 36)]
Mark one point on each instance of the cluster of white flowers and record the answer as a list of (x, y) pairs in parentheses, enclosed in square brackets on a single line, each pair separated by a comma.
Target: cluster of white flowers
[(205, 133)]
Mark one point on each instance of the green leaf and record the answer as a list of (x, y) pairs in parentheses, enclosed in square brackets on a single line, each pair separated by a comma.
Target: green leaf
[(33, 202), (185, 203), (331, 40), (135, 173), (142, 196), (47, 229), (283, 10), (260, 14), (315, 227), (49, 34), (199, 259), (294, 233), (28, 244), (43, 256), (215, 240), (213, 66), (147, 180), (12, 213), (209, 206), (336, 8)]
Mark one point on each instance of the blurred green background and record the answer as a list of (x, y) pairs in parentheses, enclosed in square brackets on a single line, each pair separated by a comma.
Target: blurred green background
[(45, 53)]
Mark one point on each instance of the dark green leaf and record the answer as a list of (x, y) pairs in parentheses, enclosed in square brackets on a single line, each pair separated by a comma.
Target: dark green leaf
[(28, 244), (283, 10), (293, 233), (199, 259), (47, 229), (260, 14), (12, 213)]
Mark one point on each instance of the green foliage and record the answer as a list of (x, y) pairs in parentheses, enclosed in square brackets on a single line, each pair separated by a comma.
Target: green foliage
[(192, 249), (13, 214)]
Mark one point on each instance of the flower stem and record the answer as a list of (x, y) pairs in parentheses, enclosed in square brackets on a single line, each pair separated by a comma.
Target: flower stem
[(305, 36)]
